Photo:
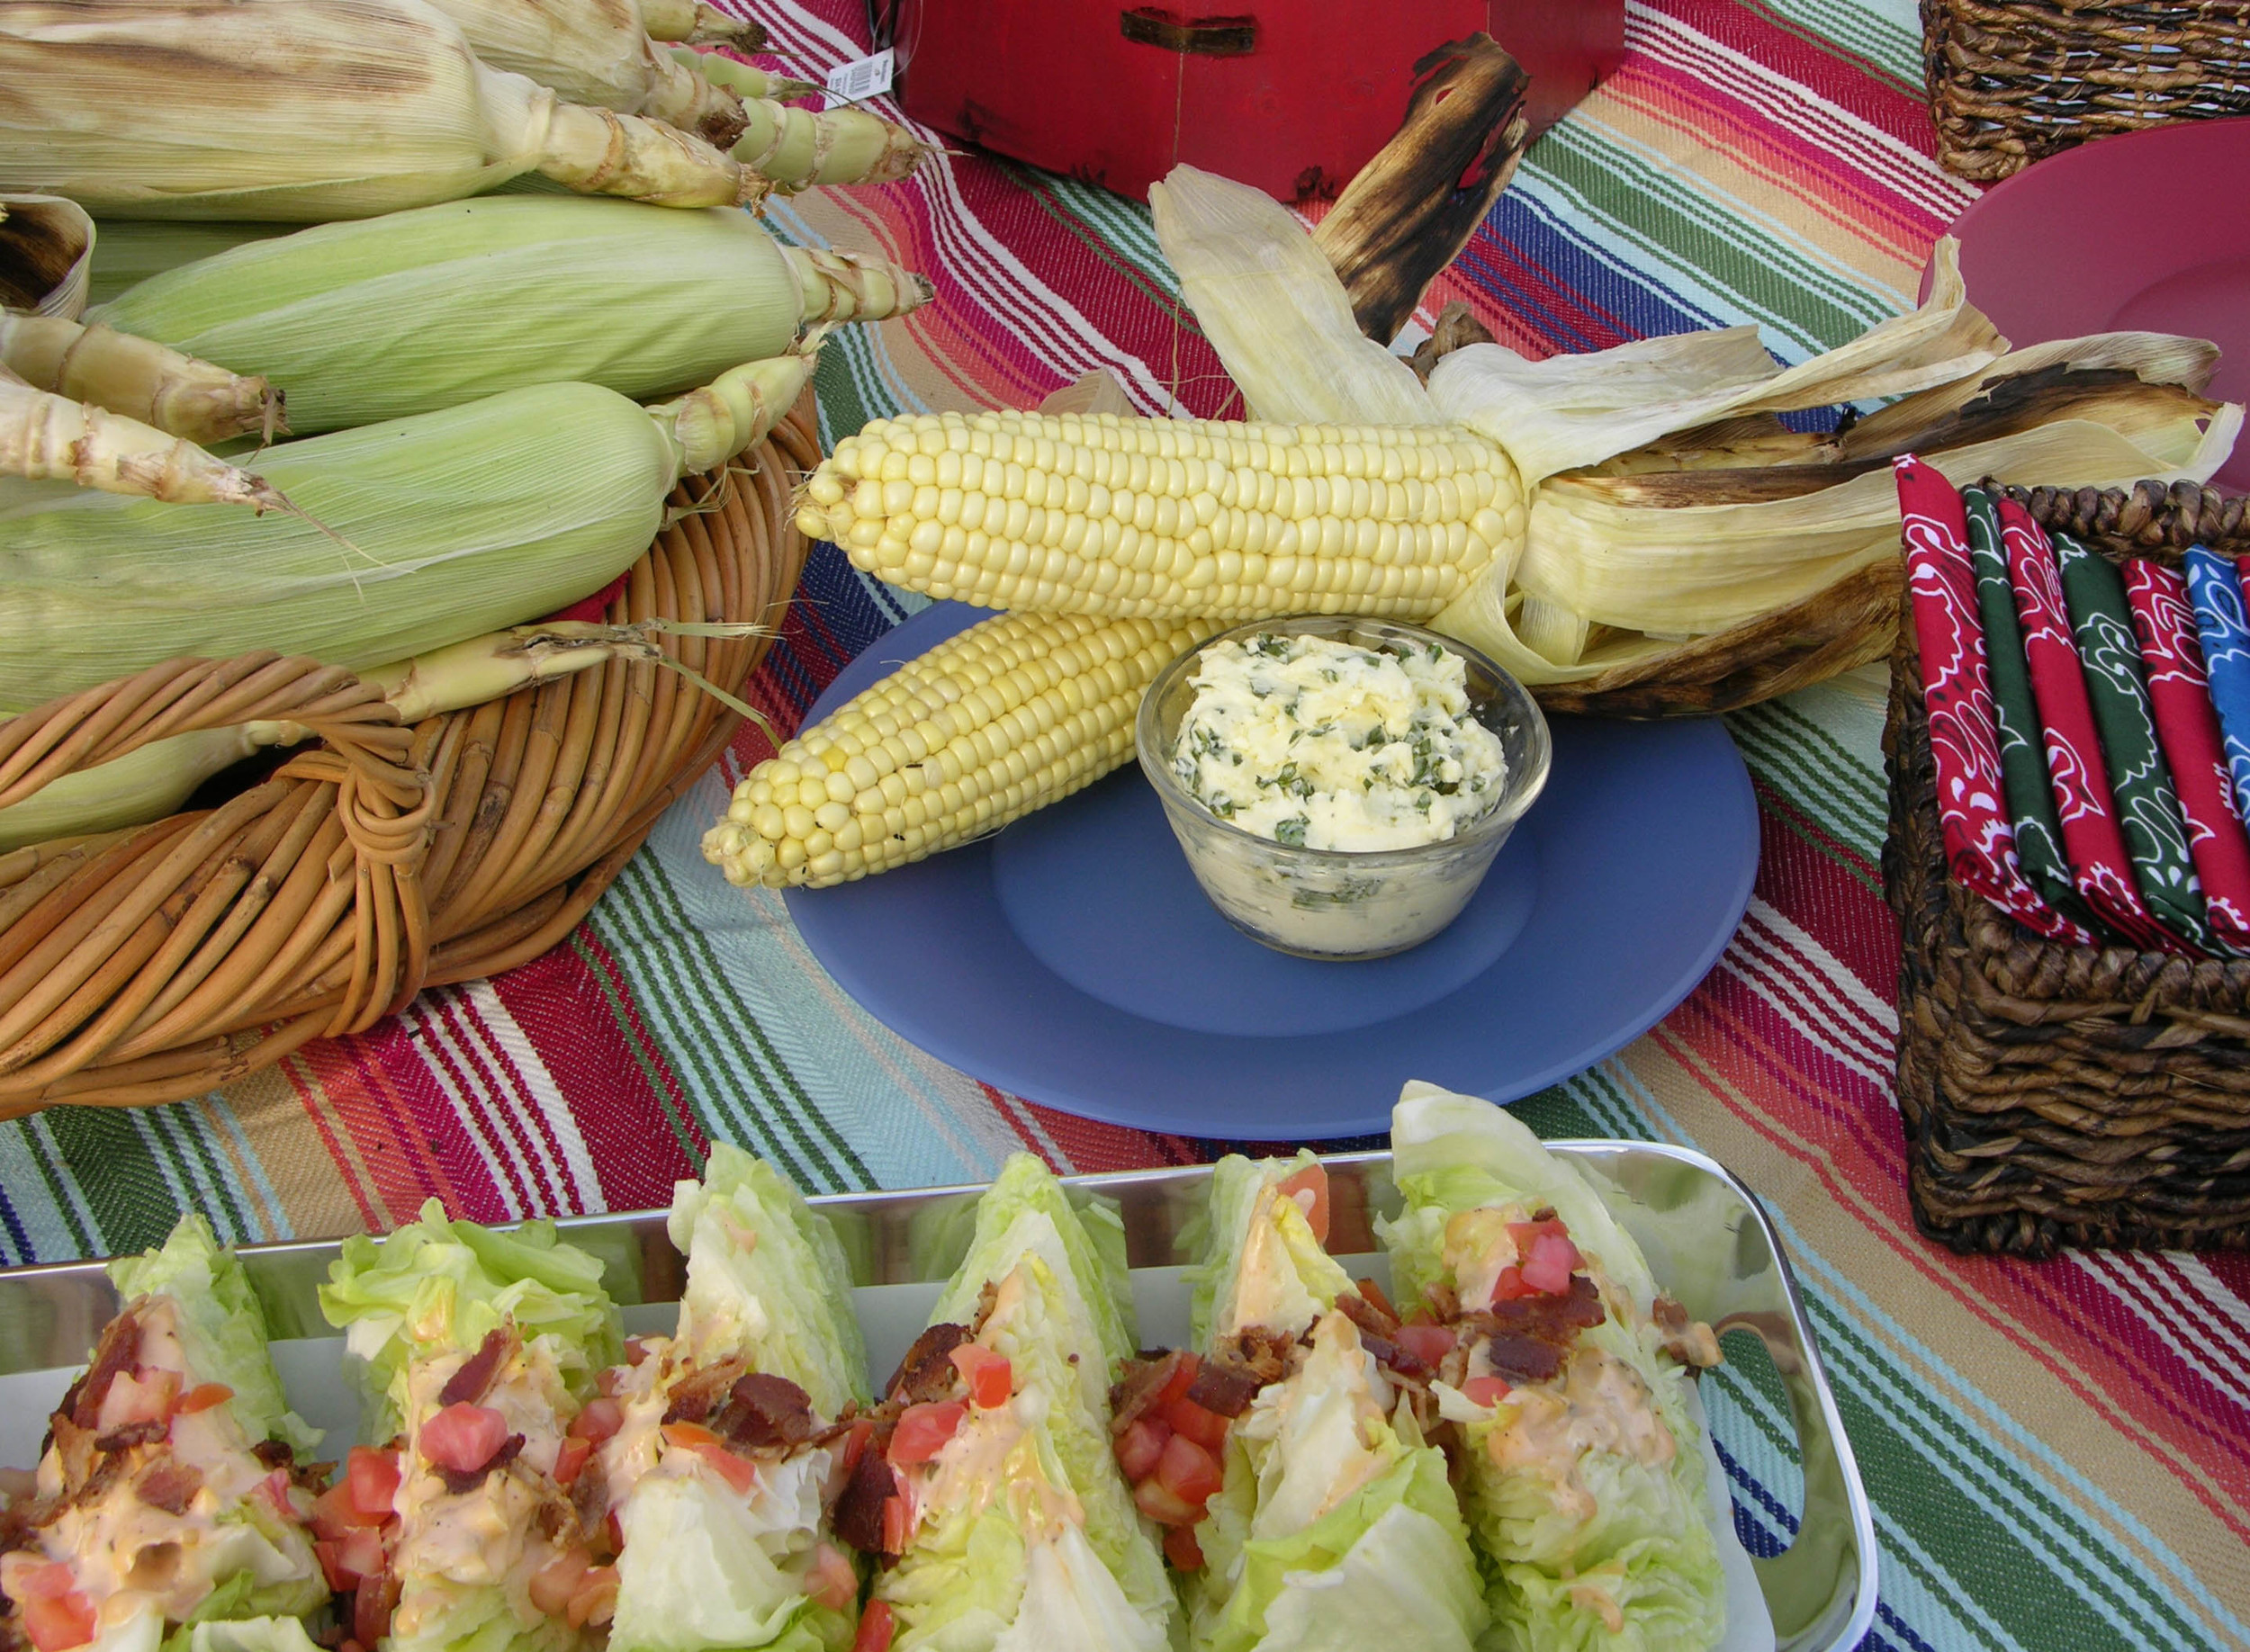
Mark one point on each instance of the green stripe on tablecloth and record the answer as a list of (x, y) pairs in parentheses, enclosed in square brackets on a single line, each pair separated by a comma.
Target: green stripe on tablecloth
[(795, 1133), (107, 1161), (45, 1221), (184, 1154), (1775, 282), (1798, 757), (1107, 228), (1890, 46)]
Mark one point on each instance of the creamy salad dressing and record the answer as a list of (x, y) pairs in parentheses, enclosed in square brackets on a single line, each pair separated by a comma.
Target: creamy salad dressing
[(1326, 745)]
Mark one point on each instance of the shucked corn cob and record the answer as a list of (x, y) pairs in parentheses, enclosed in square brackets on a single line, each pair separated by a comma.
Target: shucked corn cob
[(1006, 717), (1163, 518)]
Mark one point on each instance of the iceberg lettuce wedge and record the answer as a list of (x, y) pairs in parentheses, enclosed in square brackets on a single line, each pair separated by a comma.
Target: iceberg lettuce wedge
[(480, 1347), (1018, 1529), (1580, 1464), (1334, 1523), (767, 1352)]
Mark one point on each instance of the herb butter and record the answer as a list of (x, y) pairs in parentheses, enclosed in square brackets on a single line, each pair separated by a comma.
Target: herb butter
[(1325, 745)]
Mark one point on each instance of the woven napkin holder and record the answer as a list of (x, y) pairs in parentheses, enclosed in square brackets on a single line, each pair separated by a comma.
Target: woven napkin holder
[(2055, 1095), (2012, 81), (157, 963)]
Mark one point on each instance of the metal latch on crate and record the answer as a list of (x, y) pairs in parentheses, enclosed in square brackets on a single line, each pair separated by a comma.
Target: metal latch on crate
[(1210, 37)]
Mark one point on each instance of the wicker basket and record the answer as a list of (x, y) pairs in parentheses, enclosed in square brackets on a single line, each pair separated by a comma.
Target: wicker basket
[(154, 963), (2058, 1095), (2016, 80)]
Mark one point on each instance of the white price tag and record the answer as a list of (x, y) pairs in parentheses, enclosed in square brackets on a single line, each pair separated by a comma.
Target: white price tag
[(863, 77)]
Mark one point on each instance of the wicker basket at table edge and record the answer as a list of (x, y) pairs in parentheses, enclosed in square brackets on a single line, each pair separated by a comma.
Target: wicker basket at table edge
[(152, 964), (2058, 1095), (2012, 82)]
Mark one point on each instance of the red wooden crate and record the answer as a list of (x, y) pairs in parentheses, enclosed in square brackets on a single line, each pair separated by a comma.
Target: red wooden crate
[(1293, 96)]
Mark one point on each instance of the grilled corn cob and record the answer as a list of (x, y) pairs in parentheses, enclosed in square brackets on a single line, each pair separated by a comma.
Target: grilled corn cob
[(441, 527), (430, 308), (1010, 715), (598, 52), (1163, 518), (303, 110)]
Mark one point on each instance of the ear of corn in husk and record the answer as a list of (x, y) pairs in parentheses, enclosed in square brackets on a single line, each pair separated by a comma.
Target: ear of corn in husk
[(796, 149), (1011, 714), (698, 24), (597, 51), (46, 256), (138, 378), (133, 249), (427, 309), (437, 529), (46, 438), (157, 779), (303, 110), (745, 80)]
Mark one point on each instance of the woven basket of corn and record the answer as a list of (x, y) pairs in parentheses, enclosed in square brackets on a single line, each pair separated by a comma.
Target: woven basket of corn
[(145, 964)]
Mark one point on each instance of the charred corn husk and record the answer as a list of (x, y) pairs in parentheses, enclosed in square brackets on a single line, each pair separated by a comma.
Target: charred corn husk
[(304, 110), (439, 527), (598, 52), (46, 255), (430, 308), (137, 377), (1010, 715), (796, 149)]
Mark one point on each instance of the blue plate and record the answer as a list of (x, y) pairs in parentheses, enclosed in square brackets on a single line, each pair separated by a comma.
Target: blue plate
[(1073, 960)]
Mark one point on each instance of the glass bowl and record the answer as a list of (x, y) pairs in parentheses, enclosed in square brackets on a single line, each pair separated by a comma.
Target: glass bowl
[(1343, 903)]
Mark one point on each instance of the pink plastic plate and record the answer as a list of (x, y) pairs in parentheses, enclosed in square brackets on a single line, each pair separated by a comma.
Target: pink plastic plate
[(2146, 231)]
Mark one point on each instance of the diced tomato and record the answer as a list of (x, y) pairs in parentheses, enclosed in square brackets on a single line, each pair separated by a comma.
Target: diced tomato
[(601, 1418), (877, 1626), (348, 1644), (1525, 1234), (1163, 1507), (1485, 1390), (554, 1583), (1553, 1259), (569, 1460), (334, 1514), (373, 1602), (990, 1377), (1427, 1343), (49, 1581), (332, 1559), (1140, 1445), (1185, 1367), (595, 1600), (146, 1396), (1188, 1471), (1182, 1549), (855, 1445), (739, 1472), (897, 1524), (371, 1475), (202, 1397), (1207, 1428), (833, 1584), (1310, 1187), (56, 1622), (613, 1528), (923, 1430), (1510, 1285), (463, 1437), (688, 1436), (357, 1554)]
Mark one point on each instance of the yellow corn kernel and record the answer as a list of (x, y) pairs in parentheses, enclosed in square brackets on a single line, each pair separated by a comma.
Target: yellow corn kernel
[(1195, 517), (1008, 716)]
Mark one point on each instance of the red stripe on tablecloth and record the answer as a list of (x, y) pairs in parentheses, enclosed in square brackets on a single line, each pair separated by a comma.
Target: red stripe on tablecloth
[(1828, 72), (1092, 1146), (1798, 875), (497, 1101), (1750, 1061), (363, 1080), (628, 1131), (1526, 305)]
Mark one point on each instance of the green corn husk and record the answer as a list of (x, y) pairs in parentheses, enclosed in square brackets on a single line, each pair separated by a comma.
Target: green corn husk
[(303, 111), (439, 528), (433, 306), (133, 249)]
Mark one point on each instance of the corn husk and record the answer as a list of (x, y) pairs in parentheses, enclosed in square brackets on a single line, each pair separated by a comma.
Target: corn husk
[(598, 52), (303, 110), (432, 308), (144, 381), (133, 249), (699, 23), (53, 441), (797, 149), (437, 528)]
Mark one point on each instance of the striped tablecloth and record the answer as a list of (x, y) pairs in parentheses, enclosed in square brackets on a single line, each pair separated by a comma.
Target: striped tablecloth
[(2059, 1454)]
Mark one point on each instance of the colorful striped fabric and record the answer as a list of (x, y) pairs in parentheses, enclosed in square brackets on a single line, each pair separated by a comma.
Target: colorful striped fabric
[(2059, 1453)]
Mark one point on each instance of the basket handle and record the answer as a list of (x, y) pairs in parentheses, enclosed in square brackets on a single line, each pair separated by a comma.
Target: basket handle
[(181, 697)]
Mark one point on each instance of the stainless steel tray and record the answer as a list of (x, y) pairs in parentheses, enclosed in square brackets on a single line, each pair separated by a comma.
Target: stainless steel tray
[(1706, 1238)]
